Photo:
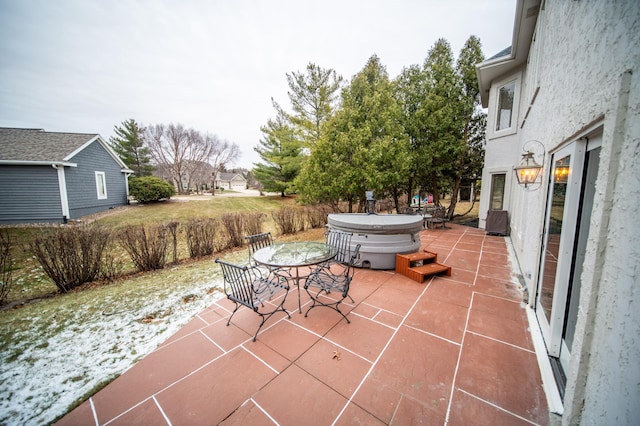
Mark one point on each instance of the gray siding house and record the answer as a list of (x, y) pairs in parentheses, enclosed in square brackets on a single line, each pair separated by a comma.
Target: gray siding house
[(55, 177)]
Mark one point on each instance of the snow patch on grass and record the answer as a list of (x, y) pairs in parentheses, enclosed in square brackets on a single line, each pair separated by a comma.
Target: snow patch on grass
[(65, 356)]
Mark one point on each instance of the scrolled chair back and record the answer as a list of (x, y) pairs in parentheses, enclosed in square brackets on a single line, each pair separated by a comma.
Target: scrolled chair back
[(341, 241), (258, 241)]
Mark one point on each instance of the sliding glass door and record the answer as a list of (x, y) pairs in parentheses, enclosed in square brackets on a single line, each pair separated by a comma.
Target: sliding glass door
[(568, 212)]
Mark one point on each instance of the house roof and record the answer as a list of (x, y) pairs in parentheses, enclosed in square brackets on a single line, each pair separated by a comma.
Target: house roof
[(35, 146), (504, 52), (229, 176), (516, 55)]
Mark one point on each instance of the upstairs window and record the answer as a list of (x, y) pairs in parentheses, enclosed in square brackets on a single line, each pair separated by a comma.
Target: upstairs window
[(504, 116), (101, 185)]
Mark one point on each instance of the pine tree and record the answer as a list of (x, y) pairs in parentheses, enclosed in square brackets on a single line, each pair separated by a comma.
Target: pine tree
[(471, 161), (290, 135), (280, 151), (128, 144), (363, 148), (441, 115), (313, 98)]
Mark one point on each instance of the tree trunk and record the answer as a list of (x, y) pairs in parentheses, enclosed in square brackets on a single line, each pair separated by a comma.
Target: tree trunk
[(454, 197), (396, 196), (436, 191), (456, 187)]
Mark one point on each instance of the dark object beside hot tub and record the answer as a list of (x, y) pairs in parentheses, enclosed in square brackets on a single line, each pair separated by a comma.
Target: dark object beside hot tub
[(381, 237)]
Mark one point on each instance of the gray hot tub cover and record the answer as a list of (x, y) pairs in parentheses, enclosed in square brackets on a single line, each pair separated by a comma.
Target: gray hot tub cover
[(375, 224)]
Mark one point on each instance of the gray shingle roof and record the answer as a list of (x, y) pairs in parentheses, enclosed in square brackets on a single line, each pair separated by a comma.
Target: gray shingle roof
[(228, 176), (504, 52), (38, 145)]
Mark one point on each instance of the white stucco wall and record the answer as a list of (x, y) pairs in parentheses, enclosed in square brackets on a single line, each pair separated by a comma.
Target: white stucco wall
[(588, 47), (606, 373)]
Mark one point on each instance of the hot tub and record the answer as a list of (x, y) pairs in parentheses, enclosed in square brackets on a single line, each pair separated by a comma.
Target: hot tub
[(380, 237)]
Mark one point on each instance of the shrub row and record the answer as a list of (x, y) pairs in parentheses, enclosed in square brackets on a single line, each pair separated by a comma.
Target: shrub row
[(6, 265), (289, 220), (74, 256)]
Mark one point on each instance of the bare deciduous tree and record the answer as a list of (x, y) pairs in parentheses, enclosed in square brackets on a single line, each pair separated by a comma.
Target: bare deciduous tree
[(168, 148), (198, 152), (184, 152), (200, 176)]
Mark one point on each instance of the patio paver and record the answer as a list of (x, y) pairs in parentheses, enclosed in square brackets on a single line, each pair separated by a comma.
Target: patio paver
[(452, 350)]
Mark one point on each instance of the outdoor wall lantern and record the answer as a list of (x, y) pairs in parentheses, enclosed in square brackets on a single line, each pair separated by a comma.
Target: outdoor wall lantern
[(528, 170)]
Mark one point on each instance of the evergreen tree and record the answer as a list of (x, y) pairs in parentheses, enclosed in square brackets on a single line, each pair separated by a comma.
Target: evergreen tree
[(313, 97), (410, 91), (441, 115), (470, 162), (280, 151), (289, 136), (363, 147), (128, 144)]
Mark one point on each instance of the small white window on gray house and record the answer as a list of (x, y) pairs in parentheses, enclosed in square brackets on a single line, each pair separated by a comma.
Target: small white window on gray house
[(101, 185), (506, 95)]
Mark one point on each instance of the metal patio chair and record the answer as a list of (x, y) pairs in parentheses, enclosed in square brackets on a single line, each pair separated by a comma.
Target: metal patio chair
[(427, 212), (245, 286), (329, 285), (438, 216), (341, 241), (262, 240), (258, 241)]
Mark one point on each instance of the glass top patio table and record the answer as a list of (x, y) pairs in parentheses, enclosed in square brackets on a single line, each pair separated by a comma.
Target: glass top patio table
[(293, 255)]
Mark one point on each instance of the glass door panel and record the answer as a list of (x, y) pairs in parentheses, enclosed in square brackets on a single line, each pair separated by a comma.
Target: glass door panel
[(560, 228), (584, 218), (554, 230), (571, 189)]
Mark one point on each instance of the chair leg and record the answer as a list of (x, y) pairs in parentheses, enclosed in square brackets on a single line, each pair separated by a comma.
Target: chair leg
[(340, 312), (333, 305), (268, 315), (260, 326), (232, 313)]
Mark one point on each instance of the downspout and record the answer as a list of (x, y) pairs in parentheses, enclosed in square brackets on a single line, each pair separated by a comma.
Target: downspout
[(126, 181), (62, 186)]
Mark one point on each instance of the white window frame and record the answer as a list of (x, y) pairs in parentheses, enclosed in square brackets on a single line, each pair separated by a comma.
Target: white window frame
[(516, 80), (101, 185)]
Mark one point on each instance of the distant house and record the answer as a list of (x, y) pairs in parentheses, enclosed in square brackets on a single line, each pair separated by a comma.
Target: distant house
[(232, 181), (567, 95), (162, 171), (55, 177), (195, 175)]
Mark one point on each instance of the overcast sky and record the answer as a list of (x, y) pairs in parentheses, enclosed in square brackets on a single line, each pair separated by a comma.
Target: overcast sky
[(85, 66)]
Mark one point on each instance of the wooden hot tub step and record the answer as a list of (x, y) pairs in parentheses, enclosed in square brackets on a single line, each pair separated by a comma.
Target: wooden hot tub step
[(419, 273), (419, 265), (421, 255)]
